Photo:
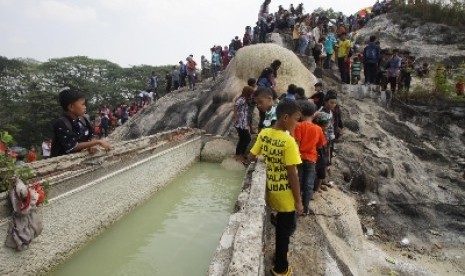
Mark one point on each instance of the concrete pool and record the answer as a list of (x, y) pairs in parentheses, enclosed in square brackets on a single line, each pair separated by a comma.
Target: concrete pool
[(175, 232)]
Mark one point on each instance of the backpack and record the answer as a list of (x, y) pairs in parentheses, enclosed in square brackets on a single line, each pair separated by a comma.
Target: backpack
[(54, 150), (371, 54), (68, 125)]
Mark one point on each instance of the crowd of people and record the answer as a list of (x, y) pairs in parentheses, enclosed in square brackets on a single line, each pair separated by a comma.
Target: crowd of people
[(184, 71), (296, 134), (296, 137)]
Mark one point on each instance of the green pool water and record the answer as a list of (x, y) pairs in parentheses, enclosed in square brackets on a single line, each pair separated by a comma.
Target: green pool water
[(175, 232)]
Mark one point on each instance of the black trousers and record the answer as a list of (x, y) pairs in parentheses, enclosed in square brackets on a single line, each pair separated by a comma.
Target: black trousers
[(176, 85), (342, 69), (104, 131), (244, 140), (182, 80), (392, 83), (285, 227), (370, 72)]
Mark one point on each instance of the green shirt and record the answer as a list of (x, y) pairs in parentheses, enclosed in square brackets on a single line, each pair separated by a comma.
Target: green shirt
[(270, 117), (356, 68)]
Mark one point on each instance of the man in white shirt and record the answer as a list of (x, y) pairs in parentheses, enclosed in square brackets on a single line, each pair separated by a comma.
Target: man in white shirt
[(317, 32), (46, 146)]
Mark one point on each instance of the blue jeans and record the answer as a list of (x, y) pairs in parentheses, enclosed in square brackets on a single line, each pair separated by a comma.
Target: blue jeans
[(371, 70), (191, 80), (303, 44), (263, 31), (307, 180), (214, 69), (327, 63)]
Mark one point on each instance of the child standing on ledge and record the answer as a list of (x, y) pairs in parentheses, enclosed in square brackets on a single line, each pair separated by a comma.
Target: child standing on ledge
[(309, 137), (241, 123), (282, 156)]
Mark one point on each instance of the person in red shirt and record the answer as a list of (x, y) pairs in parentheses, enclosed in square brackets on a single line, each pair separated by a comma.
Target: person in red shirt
[(309, 138), (460, 87), (32, 156), (3, 148), (191, 70)]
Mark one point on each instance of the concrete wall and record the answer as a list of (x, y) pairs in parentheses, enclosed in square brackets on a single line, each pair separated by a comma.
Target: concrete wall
[(75, 216), (89, 193), (240, 251), (68, 172)]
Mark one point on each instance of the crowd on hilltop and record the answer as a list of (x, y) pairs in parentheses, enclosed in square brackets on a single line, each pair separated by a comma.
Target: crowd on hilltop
[(313, 34)]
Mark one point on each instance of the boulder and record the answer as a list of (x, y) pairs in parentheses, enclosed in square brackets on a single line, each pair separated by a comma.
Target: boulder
[(210, 106), (232, 165), (217, 150)]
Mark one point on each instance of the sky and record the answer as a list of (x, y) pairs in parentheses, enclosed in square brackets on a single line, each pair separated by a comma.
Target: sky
[(133, 32)]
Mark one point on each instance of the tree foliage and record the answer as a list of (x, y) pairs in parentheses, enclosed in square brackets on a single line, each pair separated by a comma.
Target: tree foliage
[(29, 90), (329, 13), (8, 168)]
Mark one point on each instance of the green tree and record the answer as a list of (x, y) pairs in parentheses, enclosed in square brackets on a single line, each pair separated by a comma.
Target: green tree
[(29, 90)]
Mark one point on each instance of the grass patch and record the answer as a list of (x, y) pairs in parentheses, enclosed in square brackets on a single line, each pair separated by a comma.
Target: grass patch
[(439, 87)]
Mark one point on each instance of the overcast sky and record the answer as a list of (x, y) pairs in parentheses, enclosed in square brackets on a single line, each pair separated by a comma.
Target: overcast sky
[(132, 32)]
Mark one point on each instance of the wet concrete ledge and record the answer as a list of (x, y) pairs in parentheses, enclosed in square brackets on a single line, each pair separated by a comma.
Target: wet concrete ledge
[(69, 172), (73, 219), (240, 251)]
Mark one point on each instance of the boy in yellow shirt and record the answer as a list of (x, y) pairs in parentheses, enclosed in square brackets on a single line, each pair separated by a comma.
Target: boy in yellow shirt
[(281, 155)]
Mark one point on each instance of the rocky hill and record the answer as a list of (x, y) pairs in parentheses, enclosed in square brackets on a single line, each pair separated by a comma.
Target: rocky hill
[(398, 203), (429, 42), (210, 106)]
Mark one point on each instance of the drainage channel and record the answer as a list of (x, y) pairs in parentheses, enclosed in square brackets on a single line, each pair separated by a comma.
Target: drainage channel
[(175, 232)]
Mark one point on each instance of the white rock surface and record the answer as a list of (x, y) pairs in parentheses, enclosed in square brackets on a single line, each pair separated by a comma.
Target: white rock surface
[(217, 150), (232, 165)]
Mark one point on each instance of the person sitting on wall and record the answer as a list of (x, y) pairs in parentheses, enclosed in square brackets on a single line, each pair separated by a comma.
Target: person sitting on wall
[(73, 132)]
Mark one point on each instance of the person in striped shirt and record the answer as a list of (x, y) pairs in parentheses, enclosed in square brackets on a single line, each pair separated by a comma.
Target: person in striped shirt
[(356, 68)]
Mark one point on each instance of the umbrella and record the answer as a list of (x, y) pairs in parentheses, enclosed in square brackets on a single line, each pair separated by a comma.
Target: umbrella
[(363, 12)]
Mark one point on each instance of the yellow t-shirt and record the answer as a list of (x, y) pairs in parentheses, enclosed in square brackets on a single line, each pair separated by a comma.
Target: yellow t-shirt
[(344, 47), (279, 150)]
